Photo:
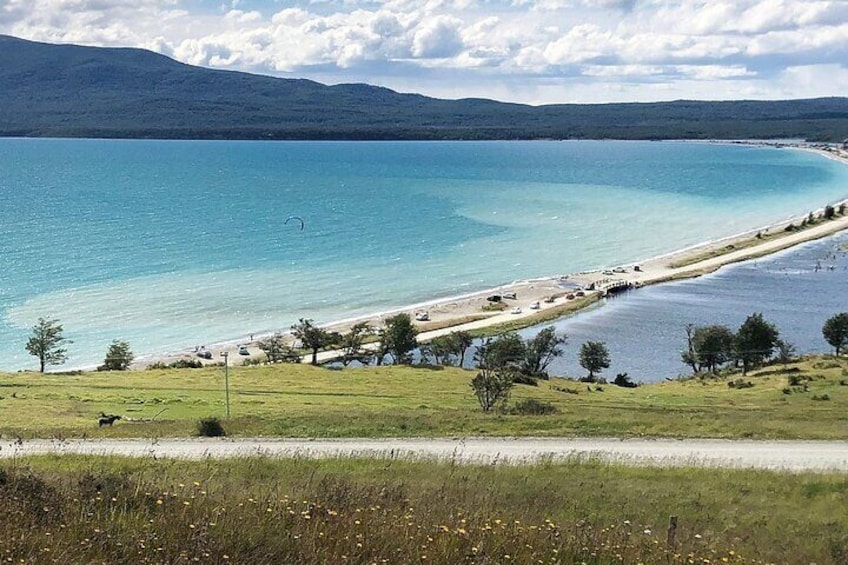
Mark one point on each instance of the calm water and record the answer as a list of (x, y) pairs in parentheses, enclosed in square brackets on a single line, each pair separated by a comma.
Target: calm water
[(173, 244), (645, 329)]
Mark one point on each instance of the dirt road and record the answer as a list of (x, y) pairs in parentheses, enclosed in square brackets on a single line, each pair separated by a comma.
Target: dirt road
[(782, 455)]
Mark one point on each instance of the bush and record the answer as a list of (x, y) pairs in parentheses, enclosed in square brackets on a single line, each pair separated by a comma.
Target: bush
[(534, 407), (521, 379), (178, 364), (740, 383), (622, 380), (210, 427), (821, 397), (829, 212), (491, 388), (796, 380)]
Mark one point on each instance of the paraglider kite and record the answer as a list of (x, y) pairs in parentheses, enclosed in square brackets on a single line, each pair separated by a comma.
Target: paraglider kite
[(298, 218)]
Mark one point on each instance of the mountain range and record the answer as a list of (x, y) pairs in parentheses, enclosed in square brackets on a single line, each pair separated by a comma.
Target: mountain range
[(76, 91)]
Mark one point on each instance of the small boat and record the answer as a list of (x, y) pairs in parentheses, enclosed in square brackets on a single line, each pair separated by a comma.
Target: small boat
[(243, 350), (516, 310), (535, 305), (422, 316), (581, 293), (494, 298), (550, 300), (570, 296), (204, 353), (510, 295)]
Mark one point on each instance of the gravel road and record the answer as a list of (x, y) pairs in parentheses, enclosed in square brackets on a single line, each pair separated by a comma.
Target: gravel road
[(781, 455)]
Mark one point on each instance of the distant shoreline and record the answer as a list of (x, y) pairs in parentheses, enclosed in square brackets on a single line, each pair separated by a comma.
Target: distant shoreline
[(546, 298)]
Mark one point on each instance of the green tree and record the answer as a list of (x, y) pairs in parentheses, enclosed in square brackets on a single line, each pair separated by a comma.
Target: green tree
[(312, 337), (47, 343), (688, 356), (492, 383), (713, 346), (594, 357), (491, 388), (755, 341), (785, 352), (506, 351), (352, 344), (118, 357), (399, 338), (835, 331), (276, 349), (540, 350), (442, 349), (462, 340)]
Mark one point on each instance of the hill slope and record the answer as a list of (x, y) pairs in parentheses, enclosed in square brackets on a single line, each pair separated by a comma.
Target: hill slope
[(74, 91)]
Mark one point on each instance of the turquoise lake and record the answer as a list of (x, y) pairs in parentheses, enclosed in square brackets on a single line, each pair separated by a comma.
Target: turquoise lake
[(172, 244)]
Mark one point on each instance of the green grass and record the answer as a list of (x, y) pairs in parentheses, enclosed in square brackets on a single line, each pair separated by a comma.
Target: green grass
[(258, 510), (304, 401)]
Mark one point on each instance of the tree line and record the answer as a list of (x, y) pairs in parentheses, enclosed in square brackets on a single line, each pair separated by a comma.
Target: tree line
[(709, 348), (505, 357)]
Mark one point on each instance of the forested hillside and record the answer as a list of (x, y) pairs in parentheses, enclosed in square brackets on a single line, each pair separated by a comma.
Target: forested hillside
[(74, 91)]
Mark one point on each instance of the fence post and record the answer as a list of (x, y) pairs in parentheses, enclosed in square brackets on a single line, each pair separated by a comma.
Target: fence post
[(672, 531)]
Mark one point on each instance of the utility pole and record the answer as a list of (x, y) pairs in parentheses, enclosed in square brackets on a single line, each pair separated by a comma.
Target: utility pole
[(226, 356)]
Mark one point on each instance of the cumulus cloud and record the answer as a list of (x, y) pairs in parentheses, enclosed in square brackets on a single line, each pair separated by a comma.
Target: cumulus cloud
[(437, 37), (526, 50)]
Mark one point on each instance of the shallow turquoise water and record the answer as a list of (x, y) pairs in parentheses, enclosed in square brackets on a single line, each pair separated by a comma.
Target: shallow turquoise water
[(171, 244)]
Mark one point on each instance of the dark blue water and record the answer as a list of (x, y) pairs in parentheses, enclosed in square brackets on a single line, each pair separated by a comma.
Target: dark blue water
[(644, 329)]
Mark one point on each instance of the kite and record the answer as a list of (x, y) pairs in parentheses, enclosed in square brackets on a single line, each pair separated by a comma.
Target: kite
[(298, 218)]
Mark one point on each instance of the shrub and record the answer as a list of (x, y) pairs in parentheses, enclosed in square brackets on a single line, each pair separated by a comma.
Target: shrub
[(521, 379), (491, 388), (740, 383), (821, 397), (178, 364), (796, 380), (622, 380), (534, 407), (210, 427), (829, 212)]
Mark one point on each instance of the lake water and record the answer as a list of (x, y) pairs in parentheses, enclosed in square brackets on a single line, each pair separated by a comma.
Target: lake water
[(644, 329), (171, 244)]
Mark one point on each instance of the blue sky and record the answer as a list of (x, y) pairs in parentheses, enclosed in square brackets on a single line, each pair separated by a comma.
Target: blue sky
[(530, 51)]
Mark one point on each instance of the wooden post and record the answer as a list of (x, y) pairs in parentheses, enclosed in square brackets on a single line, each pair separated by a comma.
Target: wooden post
[(672, 531)]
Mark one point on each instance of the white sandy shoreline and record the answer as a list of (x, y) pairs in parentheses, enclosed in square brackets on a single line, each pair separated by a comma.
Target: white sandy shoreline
[(452, 313)]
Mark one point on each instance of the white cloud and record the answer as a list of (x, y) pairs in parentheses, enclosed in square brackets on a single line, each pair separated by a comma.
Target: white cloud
[(525, 50), (437, 37)]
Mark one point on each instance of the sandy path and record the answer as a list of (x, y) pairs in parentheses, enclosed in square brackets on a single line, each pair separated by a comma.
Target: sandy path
[(779, 455)]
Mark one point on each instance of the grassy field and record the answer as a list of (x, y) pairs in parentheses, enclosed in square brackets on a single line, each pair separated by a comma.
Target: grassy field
[(112, 510), (304, 401)]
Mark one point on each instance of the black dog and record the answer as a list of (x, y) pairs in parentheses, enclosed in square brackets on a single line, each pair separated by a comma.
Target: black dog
[(107, 419)]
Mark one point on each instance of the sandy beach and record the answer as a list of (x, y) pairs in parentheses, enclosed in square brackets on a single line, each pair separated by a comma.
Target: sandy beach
[(548, 298)]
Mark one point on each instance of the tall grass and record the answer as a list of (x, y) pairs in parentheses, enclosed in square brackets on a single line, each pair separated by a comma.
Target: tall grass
[(304, 401), (91, 510)]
